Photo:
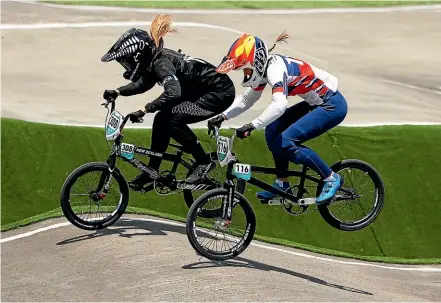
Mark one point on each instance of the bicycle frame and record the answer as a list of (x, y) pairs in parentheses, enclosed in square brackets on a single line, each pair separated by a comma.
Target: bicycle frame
[(175, 158), (224, 150), (117, 152), (231, 161), (272, 171), (302, 174)]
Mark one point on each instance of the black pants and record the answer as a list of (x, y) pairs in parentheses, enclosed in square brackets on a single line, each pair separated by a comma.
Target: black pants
[(173, 123)]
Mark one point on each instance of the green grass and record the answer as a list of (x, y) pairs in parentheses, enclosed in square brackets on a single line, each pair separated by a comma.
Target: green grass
[(244, 4), (36, 159)]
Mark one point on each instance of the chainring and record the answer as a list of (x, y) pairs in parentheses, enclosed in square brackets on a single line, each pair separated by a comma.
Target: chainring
[(298, 209), (161, 185)]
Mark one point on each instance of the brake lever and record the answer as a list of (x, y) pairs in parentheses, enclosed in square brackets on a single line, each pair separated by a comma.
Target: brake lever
[(106, 104)]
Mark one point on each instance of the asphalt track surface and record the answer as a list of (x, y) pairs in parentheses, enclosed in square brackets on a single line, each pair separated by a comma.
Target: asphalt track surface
[(388, 64), (140, 260), (55, 76)]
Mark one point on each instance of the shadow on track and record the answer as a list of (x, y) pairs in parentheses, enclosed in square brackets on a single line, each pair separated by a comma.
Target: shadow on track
[(247, 263), (128, 228), (131, 227)]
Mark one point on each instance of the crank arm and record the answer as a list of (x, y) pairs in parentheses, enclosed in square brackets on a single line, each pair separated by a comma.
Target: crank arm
[(147, 188)]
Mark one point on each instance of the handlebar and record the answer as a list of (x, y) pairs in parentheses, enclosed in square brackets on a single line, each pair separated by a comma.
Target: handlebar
[(111, 101), (124, 123), (216, 132)]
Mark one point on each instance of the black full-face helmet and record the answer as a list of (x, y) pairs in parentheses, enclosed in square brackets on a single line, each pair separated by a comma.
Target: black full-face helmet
[(134, 50)]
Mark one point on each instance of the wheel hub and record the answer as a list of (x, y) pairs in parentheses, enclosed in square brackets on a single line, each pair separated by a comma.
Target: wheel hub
[(222, 224), (97, 196)]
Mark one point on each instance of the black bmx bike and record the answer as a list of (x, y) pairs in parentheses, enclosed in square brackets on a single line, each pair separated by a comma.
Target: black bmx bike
[(230, 228), (96, 194)]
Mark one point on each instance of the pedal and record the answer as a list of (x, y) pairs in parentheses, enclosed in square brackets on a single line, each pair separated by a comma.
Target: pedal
[(275, 201)]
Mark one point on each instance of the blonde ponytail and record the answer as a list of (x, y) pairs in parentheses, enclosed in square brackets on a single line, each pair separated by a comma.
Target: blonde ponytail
[(161, 26), (282, 38)]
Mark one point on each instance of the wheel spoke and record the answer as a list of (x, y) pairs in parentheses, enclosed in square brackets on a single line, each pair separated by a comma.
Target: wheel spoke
[(217, 237), (356, 203), (92, 209)]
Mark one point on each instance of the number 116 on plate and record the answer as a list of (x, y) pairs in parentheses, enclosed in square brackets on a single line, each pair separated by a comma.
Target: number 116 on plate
[(242, 171)]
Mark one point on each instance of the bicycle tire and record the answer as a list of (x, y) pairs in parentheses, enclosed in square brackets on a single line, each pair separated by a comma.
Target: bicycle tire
[(379, 189), (190, 225), (70, 181), (188, 193)]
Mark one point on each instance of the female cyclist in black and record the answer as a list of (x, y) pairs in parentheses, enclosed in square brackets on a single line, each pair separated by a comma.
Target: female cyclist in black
[(193, 92)]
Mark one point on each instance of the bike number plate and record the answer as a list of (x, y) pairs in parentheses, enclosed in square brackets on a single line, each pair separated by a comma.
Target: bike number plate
[(127, 150), (242, 171), (113, 123), (223, 150)]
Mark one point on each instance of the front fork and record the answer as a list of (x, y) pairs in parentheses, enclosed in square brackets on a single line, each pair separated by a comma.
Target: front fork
[(106, 176), (227, 206)]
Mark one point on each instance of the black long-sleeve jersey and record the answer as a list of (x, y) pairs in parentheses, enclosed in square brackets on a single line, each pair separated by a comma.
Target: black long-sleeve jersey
[(183, 77)]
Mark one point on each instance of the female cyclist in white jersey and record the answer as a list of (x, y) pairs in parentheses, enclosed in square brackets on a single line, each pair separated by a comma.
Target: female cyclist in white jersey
[(286, 128)]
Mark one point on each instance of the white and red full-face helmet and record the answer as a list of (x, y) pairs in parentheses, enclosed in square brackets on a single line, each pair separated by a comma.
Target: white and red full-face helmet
[(250, 54)]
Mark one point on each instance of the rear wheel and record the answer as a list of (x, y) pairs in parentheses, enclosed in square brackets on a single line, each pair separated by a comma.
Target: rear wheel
[(85, 204), (217, 176), (359, 201), (225, 240)]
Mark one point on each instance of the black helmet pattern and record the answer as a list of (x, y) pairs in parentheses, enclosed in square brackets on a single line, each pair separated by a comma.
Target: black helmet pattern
[(135, 48)]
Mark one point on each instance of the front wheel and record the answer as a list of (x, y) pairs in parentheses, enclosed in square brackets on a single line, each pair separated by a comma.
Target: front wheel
[(84, 202), (227, 239), (359, 201)]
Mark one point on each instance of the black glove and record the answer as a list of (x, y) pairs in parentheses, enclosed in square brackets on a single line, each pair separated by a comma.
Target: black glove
[(245, 131), (135, 117), (216, 121), (150, 107), (110, 94)]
